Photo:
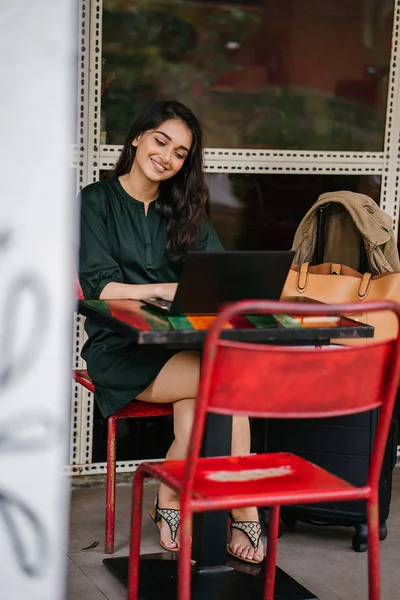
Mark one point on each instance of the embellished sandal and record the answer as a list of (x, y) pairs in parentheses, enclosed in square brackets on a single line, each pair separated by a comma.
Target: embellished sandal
[(252, 529), (172, 516)]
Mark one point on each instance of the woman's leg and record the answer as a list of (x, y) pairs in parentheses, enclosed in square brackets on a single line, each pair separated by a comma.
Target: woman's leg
[(178, 382), (239, 542)]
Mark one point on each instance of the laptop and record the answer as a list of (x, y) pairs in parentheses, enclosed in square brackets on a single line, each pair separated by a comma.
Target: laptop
[(211, 279)]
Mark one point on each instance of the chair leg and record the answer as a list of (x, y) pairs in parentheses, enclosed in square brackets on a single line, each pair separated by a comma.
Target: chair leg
[(135, 535), (110, 483), (184, 557), (272, 546), (374, 575)]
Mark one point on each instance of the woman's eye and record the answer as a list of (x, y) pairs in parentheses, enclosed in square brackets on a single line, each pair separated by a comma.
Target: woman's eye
[(180, 156), (160, 142)]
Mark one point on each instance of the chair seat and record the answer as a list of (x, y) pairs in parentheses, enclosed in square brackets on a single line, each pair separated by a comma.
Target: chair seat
[(136, 408), (277, 478)]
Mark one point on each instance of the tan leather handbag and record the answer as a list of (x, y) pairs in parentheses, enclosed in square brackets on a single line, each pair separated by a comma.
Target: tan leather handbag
[(334, 283)]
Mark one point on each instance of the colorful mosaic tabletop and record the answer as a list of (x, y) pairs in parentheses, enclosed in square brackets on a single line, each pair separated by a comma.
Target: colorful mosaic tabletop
[(143, 318)]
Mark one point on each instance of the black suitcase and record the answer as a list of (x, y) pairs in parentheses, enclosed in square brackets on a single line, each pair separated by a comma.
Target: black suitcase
[(341, 445)]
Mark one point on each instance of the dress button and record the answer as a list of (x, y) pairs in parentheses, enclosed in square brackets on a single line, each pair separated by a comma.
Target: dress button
[(305, 234)]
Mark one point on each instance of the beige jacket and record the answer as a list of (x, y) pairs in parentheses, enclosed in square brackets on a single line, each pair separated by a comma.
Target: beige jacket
[(349, 216)]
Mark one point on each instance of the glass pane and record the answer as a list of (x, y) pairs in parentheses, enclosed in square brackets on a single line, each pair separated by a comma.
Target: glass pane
[(309, 74), (262, 212)]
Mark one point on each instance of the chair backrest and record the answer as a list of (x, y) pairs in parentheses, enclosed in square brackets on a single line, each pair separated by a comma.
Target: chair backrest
[(296, 382)]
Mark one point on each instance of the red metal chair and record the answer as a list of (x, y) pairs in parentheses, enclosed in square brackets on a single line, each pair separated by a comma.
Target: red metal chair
[(276, 382), (135, 409)]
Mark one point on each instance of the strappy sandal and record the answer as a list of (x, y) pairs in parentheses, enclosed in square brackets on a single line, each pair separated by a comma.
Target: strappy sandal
[(252, 529), (172, 516)]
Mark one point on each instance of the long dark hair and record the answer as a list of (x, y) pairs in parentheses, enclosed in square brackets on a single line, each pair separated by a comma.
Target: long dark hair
[(184, 198)]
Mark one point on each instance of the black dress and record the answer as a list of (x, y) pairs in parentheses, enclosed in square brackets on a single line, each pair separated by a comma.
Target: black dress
[(119, 243)]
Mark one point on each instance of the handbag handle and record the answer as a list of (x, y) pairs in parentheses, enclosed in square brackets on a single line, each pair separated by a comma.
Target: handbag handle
[(302, 279), (364, 286), (301, 283), (336, 269)]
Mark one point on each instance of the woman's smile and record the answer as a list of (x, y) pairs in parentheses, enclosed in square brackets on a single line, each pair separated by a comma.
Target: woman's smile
[(158, 166)]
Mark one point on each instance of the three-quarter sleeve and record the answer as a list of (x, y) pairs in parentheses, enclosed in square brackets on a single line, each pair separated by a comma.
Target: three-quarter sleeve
[(208, 239), (97, 267)]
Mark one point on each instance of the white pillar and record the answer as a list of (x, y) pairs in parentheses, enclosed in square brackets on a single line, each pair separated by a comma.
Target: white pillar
[(37, 91)]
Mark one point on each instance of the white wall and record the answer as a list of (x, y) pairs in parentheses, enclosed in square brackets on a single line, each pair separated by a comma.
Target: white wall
[(37, 91)]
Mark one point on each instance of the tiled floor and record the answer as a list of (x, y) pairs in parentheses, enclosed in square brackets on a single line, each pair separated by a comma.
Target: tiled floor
[(318, 557)]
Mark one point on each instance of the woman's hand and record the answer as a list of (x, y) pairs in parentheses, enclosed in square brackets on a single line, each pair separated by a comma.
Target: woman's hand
[(166, 291)]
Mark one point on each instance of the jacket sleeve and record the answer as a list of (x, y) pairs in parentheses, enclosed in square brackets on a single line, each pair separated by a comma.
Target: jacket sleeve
[(208, 239), (97, 267)]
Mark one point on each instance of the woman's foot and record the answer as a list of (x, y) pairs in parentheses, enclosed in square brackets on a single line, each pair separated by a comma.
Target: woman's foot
[(166, 514), (240, 544)]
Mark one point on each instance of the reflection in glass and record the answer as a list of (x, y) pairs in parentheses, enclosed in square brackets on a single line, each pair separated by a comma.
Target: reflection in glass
[(258, 73), (262, 212)]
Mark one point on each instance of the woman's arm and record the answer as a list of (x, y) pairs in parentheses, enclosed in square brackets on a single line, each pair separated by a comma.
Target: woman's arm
[(123, 291), (99, 274)]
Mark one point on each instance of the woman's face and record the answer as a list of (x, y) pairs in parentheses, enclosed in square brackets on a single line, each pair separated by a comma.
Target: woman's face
[(160, 153)]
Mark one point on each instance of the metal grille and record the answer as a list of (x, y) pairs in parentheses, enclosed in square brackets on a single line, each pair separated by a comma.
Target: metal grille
[(95, 59), (219, 160), (92, 171), (79, 402), (76, 403), (123, 466), (390, 179), (83, 95)]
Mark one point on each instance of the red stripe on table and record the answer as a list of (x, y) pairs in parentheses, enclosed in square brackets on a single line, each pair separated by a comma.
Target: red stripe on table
[(240, 322), (131, 315)]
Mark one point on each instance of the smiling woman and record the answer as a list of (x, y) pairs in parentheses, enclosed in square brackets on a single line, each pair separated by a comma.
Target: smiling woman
[(162, 159), (135, 230)]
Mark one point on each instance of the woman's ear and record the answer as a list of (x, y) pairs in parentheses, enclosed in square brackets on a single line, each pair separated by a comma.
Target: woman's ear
[(136, 141)]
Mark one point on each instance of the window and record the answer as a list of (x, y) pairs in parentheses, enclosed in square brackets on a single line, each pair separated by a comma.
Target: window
[(273, 74)]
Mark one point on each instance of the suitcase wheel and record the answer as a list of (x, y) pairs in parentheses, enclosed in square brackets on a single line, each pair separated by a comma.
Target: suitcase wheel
[(360, 538), (383, 532)]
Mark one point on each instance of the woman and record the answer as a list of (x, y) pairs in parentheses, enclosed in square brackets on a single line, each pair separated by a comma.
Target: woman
[(135, 230)]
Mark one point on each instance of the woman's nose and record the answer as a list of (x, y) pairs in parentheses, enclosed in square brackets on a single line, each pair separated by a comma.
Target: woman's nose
[(165, 155)]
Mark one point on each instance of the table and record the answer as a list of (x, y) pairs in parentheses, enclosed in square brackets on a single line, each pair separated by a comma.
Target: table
[(144, 326), (216, 575)]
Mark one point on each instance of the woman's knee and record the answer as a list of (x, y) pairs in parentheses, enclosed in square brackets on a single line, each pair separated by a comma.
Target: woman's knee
[(188, 371), (177, 380)]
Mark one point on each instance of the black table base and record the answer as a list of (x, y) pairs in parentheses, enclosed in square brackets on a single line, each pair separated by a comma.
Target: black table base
[(235, 581)]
